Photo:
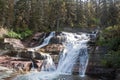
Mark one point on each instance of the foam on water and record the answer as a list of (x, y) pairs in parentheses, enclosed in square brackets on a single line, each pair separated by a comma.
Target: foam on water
[(75, 49)]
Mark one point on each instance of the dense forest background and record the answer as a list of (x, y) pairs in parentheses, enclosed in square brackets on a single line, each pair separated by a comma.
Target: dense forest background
[(47, 15)]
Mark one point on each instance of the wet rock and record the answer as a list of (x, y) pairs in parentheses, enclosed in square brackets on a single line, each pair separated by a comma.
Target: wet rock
[(57, 39), (36, 55), (14, 52), (101, 72), (19, 63), (23, 54), (35, 40), (52, 48), (5, 72), (55, 58), (38, 35), (76, 69), (3, 52)]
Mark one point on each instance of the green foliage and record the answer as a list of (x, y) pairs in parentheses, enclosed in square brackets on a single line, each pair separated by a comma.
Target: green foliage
[(112, 59), (19, 35), (110, 37), (1, 4), (13, 34), (96, 21), (26, 33), (48, 15), (113, 15), (112, 43), (92, 22)]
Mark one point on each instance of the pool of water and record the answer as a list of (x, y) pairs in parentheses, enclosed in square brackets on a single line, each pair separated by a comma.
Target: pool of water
[(51, 76), (73, 77)]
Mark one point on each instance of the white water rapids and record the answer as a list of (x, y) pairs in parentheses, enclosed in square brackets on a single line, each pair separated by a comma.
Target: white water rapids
[(75, 49)]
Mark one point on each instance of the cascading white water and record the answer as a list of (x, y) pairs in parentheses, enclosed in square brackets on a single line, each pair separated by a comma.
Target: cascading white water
[(46, 41), (83, 58), (48, 64), (75, 48)]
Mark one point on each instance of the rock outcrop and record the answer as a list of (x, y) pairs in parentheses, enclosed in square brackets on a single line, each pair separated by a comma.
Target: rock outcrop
[(52, 48), (21, 64), (35, 40), (16, 43), (15, 54)]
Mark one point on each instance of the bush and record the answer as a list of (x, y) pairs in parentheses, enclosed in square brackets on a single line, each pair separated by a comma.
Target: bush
[(112, 59), (110, 37), (13, 34), (19, 35), (26, 33)]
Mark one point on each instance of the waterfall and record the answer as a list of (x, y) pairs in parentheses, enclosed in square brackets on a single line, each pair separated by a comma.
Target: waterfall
[(48, 64), (46, 41), (75, 48), (83, 59)]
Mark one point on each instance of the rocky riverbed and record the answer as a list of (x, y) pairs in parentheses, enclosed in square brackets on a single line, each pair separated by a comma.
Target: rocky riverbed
[(15, 57)]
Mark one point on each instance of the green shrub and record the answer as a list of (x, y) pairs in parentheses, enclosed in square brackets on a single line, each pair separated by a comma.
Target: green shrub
[(110, 37), (112, 59), (13, 34), (19, 35), (26, 33)]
